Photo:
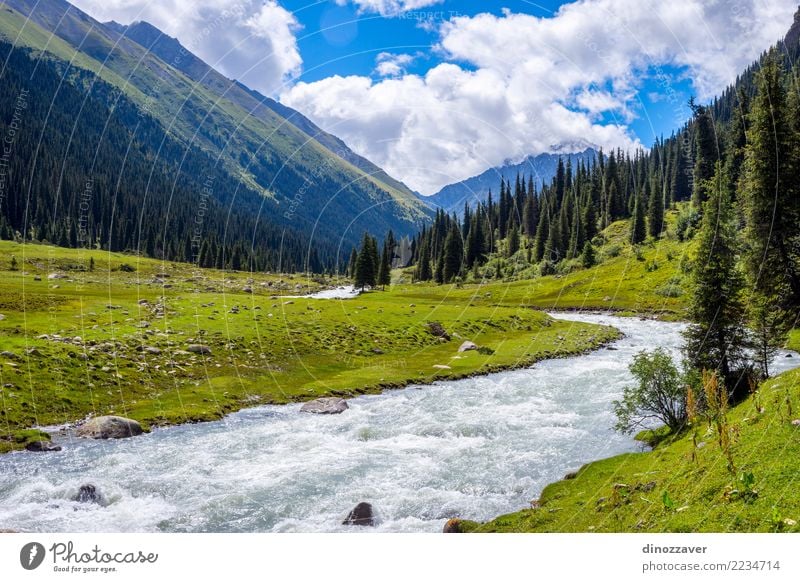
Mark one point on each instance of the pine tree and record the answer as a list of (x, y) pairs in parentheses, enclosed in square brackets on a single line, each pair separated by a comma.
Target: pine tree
[(655, 213), (706, 153), (587, 256), (638, 230), (453, 255), (772, 193), (716, 338), (513, 240), (385, 267), (367, 263), (351, 265)]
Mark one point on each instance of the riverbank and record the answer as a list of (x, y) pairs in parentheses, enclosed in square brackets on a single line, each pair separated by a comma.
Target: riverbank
[(684, 485), (104, 333), (420, 455)]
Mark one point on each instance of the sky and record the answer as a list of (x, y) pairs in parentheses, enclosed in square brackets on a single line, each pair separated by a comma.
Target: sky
[(436, 91)]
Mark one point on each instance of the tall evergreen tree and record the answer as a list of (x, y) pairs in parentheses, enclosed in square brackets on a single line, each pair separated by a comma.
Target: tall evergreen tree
[(716, 338), (772, 192), (638, 229)]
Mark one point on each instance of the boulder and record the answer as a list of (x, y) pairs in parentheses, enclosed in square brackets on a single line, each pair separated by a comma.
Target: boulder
[(360, 515), (198, 349), (452, 526), (87, 494), (109, 427), (42, 447), (468, 346), (788, 355), (441, 367), (329, 405), (437, 329)]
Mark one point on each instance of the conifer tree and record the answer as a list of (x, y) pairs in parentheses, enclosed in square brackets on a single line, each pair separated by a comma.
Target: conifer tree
[(655, 213), (716, 338), (638, 230), (772, 193)]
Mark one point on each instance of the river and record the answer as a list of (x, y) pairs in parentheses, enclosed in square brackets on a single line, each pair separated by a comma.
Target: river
[(472, 448)]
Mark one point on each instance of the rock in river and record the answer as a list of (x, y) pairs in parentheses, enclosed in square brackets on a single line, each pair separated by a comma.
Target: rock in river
[(41, 447), (360, 515), (452, 526), (325, 406), (87, 494), (109, 427)]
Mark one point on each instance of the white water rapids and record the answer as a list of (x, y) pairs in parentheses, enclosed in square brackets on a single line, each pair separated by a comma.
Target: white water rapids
[(473, 448)]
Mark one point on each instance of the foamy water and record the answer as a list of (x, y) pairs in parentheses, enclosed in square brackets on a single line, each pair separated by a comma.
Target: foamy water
[(473, 448)]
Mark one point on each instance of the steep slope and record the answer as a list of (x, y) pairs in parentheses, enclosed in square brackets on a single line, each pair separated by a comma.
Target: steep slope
[(82, 174), (318, 192), (542, 168), (170, 50)]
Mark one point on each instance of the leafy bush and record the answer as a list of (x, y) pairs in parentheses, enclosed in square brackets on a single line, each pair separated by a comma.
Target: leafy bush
[(126, 268), (659, 394)]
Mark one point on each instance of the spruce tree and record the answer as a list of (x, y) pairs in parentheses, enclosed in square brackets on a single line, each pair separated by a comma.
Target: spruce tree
[(655, 213), (453, 255), (367, 263), (638, 230), (716, 338), (706, 153), (385, 267), (772, 193)]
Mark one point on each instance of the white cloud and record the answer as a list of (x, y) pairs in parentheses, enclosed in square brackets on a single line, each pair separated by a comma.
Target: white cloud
[(516, 84), (389, 7), (392, 65), (249, 40)]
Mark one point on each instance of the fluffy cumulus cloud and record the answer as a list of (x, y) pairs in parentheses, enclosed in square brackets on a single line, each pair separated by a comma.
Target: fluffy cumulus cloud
[(515, 84), (249, 40), (389, 7), (392, 65)]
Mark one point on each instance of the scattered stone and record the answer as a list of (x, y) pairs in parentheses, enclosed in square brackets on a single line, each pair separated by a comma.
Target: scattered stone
[(152, 350), (436, 329), (790, 522), (570, 475), (247, 289), (468, 346), (37, 277), (87, 494), (452, 526), (329, 405), (441, 367), (198, 349), (377, 351), (611, 348), (7, 354), (41, 447), (360, 515), (536, 504), (109, 427), (796, 422), (788, 355), (53, 276)]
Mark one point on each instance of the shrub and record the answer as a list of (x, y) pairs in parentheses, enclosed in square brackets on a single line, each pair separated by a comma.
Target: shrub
[(658, 395), (126, 268)]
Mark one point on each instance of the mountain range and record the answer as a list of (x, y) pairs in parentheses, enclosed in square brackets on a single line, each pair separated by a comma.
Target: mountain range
[(542, 168)]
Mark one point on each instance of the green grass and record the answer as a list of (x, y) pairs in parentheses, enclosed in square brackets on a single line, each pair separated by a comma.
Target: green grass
[(666, 490), (79, 345)]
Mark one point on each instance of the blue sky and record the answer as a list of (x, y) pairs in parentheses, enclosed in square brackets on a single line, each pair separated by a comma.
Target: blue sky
[(436, 91), (340, 40)]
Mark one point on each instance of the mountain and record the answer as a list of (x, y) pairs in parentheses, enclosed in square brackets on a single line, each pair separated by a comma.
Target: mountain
[(541, 168), (315, 184)]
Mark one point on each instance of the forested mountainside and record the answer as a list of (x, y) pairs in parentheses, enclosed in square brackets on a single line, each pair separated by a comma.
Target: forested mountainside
[(312, 181), (79, 173)]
